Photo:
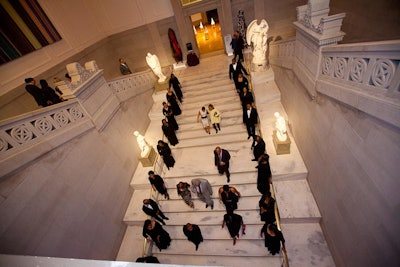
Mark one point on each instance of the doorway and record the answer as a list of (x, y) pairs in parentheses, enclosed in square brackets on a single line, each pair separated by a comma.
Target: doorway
[(207, 31)]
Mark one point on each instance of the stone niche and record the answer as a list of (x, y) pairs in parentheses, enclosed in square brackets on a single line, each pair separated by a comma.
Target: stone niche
[(281, 147)]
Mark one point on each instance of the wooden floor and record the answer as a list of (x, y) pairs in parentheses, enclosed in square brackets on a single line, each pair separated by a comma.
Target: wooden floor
[(211, 41)]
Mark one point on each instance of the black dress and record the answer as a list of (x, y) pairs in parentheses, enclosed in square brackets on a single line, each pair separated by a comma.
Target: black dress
[(165, 152), (241, 84), (264, 173), (233, 222), (194, 235), (169, 132), (158, 183), (169, 114), (164, 239), (171, 98), (51, 95), (273, 243), (230, 200), (177, 87), (268, 215)]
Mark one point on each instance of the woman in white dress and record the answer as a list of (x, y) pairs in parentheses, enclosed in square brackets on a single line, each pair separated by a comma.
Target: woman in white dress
[(203, 115), (215, 117)]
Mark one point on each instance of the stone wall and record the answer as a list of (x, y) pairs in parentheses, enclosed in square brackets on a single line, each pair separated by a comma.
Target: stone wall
[(352, 160), (71, 201)]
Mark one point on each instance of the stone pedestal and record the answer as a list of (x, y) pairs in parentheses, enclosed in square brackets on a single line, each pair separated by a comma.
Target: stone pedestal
[(161, 87), (148, 159), (180, 65), (281, 147)]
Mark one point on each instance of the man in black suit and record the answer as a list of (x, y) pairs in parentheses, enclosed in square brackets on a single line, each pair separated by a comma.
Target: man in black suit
[(123, 67), (221, 158), (251, 119), (36, 92), (258, 147), (234, 69), (151, 208)]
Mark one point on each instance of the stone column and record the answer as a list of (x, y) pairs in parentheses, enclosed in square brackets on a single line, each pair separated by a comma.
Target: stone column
[(314, 30)]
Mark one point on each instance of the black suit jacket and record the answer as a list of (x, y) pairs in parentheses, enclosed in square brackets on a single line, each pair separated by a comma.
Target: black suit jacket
[(253, 119), (234, 73), (225, 157), (151, 212), (37, 94)]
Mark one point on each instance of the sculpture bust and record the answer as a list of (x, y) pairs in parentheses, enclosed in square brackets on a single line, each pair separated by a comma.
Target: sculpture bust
[(280, 126), (154, 64), (143, 145), (257, 36)]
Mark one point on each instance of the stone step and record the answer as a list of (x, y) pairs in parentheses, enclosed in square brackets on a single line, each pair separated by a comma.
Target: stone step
[(243, 248), (228, 110), (195, 130), (133, 238), (306, 245), (230, 261), (289, 208), (214, 140), (200, 88), (198, 215), (214, 232)]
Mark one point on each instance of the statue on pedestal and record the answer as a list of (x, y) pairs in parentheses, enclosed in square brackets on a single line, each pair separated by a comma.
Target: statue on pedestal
[(143, 145), (280, 125), (154, 64), (257, 36)]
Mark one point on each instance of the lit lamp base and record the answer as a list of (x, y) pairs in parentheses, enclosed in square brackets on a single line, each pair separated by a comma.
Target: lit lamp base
[(161, 86), (148, 159), (281, 147)]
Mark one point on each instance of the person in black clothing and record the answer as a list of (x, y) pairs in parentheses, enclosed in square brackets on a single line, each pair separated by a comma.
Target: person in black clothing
[(174, 82), (158, 184), (251, 119), (242, 82), (165, 152), (273, 238), (246, 97), (193, 234), (169, 132), (234, 69), (238, 51), (153, 230), (234, 222), (258, 147), (169, 114), (264, 176), (151, 208), (267, 208), (171, 98), (49, 92), (229, 196), (36, 92)]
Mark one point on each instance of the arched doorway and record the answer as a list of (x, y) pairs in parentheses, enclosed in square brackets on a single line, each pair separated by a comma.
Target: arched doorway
[(207, 31)]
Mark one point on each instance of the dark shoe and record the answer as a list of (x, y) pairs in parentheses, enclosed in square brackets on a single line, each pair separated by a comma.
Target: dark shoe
[(253, 160), (228, 180), (212, 207), (206, 205), (248, 137), (166, 218), (197, 247), (163, 223)]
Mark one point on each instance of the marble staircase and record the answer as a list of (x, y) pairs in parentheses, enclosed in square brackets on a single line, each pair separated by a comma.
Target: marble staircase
[(204, 84)]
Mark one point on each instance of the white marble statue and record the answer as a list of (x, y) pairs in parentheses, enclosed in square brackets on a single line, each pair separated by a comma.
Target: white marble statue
[(154, 64), (143, 145), (280, 125), (257, 36)]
